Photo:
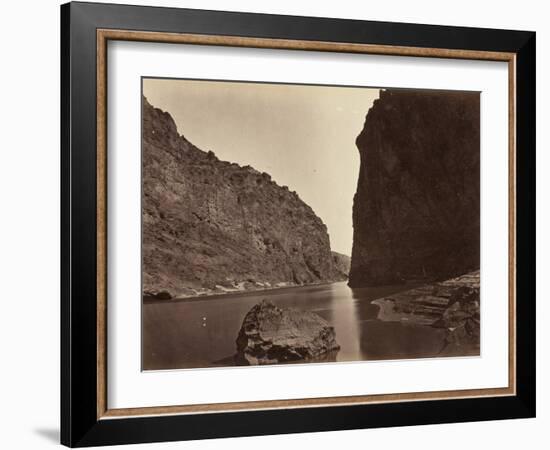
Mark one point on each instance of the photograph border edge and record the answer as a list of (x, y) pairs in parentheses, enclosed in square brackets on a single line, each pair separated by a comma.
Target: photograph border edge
[(105, 35)]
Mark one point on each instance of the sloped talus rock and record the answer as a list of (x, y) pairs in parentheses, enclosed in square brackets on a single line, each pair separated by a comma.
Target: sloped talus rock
[(271, 335), (416, 209)]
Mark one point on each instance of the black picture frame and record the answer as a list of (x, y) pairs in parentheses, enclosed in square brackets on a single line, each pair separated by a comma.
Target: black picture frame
[(80, 425)]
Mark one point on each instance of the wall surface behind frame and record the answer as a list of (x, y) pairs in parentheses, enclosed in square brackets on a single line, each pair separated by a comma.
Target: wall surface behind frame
[(29, 237)]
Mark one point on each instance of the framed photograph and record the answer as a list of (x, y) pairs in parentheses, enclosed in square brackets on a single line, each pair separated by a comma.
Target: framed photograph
[(277, 224)]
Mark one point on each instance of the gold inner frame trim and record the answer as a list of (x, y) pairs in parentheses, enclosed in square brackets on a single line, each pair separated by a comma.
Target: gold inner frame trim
[(103, 36)]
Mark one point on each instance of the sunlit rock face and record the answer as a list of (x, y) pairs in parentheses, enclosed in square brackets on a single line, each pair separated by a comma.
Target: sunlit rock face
[(212, 226), (341, 264), (416, 212)]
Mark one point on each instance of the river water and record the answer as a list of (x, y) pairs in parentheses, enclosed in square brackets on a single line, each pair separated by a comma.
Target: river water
[(201, 332)]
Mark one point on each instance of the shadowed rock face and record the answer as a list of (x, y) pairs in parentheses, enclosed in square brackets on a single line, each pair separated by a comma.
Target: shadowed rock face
[(416, 209), (210, 226), (271, 335)]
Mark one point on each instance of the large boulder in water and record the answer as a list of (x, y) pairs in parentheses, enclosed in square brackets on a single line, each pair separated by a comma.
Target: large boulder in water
[(271, 335)]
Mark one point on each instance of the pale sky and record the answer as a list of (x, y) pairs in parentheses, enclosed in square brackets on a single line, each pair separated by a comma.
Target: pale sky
[(303, 136)]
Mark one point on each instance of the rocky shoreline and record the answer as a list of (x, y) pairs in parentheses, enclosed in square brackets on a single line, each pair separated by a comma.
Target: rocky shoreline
[(215, 293), (452, 305)]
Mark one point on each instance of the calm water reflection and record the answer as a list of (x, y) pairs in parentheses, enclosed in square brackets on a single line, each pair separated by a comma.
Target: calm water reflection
[(202, 332)]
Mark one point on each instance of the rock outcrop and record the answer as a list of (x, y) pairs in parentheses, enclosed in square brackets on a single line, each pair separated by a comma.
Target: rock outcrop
[(272, 335), (211, 226), (341, 264), (416, 209), (453, 305)]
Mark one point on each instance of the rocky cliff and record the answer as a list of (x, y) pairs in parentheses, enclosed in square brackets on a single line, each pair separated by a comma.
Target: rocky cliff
[(416, 209), (341, 264), (211, 226)]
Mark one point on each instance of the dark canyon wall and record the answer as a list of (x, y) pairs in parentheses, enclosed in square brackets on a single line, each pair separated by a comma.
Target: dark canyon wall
[(416, 209), (211, 226)]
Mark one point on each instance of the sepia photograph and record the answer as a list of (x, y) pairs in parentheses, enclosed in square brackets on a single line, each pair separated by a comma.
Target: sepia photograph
[(288, 222), (291, 223)]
